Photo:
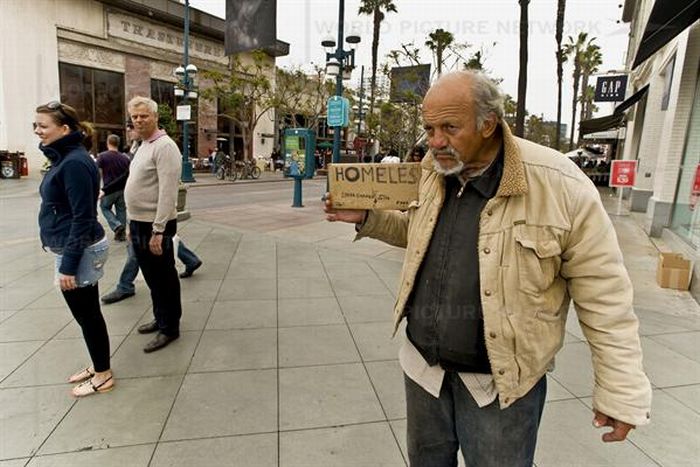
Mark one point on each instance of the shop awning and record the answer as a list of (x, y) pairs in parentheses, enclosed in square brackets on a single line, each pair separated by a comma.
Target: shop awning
[(615, 120), (668, 18)]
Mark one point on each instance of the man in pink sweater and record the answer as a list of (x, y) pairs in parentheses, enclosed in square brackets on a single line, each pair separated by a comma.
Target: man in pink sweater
[(151, 198)]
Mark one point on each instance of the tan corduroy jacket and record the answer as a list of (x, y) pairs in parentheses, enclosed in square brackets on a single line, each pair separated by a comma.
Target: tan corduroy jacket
[(544, 239)]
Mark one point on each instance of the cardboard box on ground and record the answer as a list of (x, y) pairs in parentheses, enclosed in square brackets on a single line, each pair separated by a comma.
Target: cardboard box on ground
[(373, 186), (673, 271)]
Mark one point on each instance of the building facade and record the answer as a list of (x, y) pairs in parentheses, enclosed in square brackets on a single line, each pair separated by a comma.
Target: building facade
[(95, 55), (663, 132)]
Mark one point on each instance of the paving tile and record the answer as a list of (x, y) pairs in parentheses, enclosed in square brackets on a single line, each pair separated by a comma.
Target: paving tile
[(251, 270), (13, 354), (224, 404), (368, 308), (686, 344), (398, 427), (197, 289), (53, 363), (369, 444), (574, 370), (304, 287), (686, 395), (664, 367), (309, 311), (133, 413), (323, 396), (567, 437), (243, 314), (387, 379), (195, 315), (234, 451), (348, 269), (16, 297), (653, 321), (27, 417), (247, 289), (130, 361), (133, 456), (375, 342), (34, 324), (4, 314), (305, 269), (51, 298), (556, 391), (245, 349), (316, 345), (350, 286), (15, 462)]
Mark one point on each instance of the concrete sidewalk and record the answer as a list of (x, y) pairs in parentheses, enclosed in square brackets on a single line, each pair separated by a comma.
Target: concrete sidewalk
[(286, 358)]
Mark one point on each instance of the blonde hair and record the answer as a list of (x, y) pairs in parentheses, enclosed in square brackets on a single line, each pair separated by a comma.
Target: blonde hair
[(139, 101)]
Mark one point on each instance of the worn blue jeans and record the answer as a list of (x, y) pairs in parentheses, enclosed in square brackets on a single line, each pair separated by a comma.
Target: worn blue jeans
[(115, 199), (488, 436), (131, 267)]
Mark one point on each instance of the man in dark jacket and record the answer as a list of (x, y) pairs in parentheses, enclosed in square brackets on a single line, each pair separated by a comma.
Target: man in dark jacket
[(114, 168)]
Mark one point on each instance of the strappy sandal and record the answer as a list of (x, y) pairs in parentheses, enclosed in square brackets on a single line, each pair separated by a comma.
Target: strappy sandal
[(86, 388), (82, 375)]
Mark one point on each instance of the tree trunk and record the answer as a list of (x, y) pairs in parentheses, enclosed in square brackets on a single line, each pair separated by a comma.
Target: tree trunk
[(378, 16), (522, 78), (577, 77), (561, 5), (584, 89), (438, 56)]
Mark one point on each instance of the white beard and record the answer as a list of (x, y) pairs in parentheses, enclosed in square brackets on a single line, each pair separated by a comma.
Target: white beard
[(454, 170)]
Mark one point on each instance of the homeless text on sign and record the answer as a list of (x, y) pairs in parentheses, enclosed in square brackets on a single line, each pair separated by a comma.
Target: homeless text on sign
[(374, 186)]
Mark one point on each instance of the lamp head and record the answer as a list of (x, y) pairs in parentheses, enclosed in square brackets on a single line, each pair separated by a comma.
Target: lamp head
[(180, 71)]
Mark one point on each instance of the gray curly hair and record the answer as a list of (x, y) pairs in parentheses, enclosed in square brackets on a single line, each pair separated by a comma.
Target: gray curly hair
[(487, 96)]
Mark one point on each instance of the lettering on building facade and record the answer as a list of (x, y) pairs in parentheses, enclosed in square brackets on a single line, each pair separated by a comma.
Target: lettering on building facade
[(146, 33)]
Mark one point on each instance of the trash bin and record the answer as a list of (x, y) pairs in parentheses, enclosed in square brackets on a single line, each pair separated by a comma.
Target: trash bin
[(9, 165)]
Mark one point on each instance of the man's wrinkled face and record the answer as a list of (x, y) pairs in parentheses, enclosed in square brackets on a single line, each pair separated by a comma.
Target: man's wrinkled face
[(145, 122), (449, 120)]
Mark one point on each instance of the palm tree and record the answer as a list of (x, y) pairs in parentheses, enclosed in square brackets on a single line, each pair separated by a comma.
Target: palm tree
[(591, 59), (438, 41), (522, 78), (574, 49), (561, 6), (376, 8)]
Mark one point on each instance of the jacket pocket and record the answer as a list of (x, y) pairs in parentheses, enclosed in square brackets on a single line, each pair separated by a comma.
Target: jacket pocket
[(538, 263)]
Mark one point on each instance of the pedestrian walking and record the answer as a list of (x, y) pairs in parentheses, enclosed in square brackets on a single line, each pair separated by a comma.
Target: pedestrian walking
[(151, 197), (505, 232), (68, 226), (125, 287), (114, 169)]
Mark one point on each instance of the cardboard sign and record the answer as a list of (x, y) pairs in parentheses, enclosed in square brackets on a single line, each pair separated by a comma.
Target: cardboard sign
[(622, 173), (373, 186)]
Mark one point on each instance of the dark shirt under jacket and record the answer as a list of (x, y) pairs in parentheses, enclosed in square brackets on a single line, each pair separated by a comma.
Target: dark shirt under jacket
[(445, 320)]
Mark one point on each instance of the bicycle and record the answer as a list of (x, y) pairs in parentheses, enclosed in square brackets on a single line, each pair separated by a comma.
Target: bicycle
[(226, 171), (247, 169)]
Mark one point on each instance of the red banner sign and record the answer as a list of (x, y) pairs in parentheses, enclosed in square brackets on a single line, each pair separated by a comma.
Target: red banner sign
[(696, 182), (622, 173)]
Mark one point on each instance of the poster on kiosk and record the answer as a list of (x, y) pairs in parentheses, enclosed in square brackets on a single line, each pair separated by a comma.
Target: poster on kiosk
[(299, 147)]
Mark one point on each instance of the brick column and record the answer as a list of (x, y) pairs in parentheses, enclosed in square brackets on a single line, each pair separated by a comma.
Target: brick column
[(137, 77), (207, 121)]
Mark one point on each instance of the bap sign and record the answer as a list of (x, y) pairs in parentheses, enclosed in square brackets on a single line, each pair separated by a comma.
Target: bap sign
[(622, 173), (373, 186)]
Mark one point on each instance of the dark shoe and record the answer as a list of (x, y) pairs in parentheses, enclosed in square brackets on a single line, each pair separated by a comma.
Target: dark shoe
[(120, 234), (189, 271), (116, 296), (148, 328), (158, 342)]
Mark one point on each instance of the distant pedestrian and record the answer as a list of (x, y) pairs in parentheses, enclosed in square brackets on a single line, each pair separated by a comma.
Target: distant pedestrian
[(151, 198), (125, 288), (114, 169), (68, 226), (417, 154)]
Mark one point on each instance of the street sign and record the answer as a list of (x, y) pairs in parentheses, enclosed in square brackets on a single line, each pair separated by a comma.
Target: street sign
[(610, 88), (183, 112), (338, 111), (622, 173)]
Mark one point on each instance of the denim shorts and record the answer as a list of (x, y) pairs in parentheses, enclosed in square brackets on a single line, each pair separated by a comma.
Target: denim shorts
[(91, 266)]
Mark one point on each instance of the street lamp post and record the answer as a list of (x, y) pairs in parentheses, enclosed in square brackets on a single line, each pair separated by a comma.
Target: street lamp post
[(186, 90), (340, 63)]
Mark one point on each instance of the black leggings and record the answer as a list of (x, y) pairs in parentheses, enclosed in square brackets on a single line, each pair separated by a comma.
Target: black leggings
[(84, 303)]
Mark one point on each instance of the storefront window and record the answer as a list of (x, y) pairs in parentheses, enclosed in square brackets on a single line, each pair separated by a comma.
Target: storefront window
[(686, 208), (98, 96)]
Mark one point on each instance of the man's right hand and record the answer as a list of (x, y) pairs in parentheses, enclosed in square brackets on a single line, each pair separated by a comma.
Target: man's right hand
[(351, 216)]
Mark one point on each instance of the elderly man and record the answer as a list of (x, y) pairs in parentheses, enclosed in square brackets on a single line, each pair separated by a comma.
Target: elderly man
[(504, 233), (151, 198)]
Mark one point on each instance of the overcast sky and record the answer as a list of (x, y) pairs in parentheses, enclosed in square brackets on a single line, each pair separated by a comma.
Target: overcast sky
[(303, 23)]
